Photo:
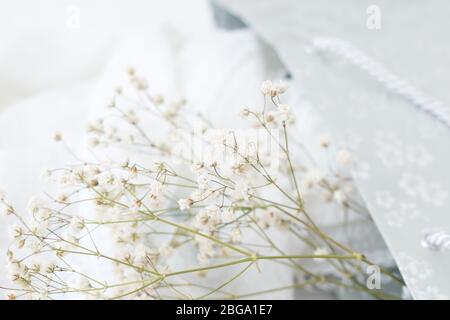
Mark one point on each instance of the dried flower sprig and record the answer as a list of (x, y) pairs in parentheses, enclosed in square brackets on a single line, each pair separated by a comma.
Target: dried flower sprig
[(217, 193)]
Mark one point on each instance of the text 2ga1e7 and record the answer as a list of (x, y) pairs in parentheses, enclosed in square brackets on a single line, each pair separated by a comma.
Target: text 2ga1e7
[(226, 309)]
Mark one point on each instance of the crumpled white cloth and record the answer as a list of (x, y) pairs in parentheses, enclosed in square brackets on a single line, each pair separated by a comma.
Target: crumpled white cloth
[(50, 44)]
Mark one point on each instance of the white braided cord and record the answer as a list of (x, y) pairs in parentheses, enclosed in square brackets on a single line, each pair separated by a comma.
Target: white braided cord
[(391, 81)]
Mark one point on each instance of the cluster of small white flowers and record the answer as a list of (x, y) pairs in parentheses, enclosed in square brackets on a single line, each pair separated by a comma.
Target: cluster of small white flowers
[(237, 186), (273, 89), (273, 218), (208, 218), (185, 203)]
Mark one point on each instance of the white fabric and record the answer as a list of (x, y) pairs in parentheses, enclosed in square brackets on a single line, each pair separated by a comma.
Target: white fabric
[(53, 43)]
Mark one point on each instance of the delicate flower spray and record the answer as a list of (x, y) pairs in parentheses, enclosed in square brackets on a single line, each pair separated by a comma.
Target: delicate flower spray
[(115, 225)]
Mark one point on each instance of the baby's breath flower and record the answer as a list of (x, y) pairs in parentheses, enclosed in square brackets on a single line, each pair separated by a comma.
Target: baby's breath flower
[(197, 167), (43, 214), (45, 174), (16, 231), (94, 142), (96, 126), (240, 167), (208, 218), (270, 89), (204, 256), (203, 181), (339, 196), (77, 223), (284, 112), (321, 251), (324, 141), (157, 99), (343, 157), (141, 84), (245, 112), (131, 71), (118, 90), (266, 87), (271, 116), (5, 208), (135, 206), (62, 198), (131, 117), (156, 188), (241, 190), (34, 204), (237, 185), (57, 137), (312, 177), (39, 228), (10, 296), (111, 103), (228, 215), (172, 109), (185, 203), (50, 267), (197, 195)]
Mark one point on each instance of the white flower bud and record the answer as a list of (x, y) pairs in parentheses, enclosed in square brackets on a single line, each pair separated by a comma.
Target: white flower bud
[(185, 204)]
